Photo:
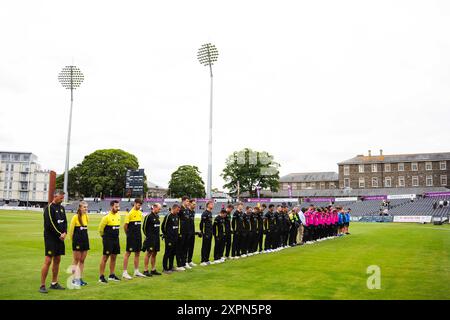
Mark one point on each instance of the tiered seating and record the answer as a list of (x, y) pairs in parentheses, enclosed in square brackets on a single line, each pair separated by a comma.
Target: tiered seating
[(421, 207)]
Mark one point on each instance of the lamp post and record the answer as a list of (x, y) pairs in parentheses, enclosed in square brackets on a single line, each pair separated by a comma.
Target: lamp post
[(207, 55), (70, 78)]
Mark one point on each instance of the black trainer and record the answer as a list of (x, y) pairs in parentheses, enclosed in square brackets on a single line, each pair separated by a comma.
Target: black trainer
[(102, 279), (113, 277), (155, 273), (57, 286), (147, 274), (43, 289)]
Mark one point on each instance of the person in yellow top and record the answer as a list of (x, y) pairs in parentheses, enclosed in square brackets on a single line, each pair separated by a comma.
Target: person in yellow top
[(109, 231), (78, 232), (132, 227)]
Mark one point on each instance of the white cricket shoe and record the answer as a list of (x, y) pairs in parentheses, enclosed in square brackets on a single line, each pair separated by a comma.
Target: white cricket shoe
[(126, 276), (192, 264), (137, 273), (244, 256), (180, 269), (187, 266), (203, 264)]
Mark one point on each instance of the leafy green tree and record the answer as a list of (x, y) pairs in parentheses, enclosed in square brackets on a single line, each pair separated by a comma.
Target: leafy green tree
[(186, 181), (250, 170), (102, 172)]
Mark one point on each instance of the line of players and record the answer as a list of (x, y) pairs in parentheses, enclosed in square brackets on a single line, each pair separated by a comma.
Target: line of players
[(236, 233)]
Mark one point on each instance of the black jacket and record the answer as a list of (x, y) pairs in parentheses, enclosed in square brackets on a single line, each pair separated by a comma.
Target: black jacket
[(170, 227), (55, 221), (219, 227), (206, 223), (151, 225)]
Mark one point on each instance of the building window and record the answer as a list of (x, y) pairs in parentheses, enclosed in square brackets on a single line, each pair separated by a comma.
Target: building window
[(332, 185), (294, 186), (312, 185), (346, 183), (429, 181), (374, 182), (387, 167), (414, 166), (443, 165), (374, 167), (428, 166), (443, 180), (45, 187), (303, 185), (322, 185), (401, 166), (346, 170), (285, 186), (401, 181), (415, 181), (362, 182), (361, 168), (387, 182)]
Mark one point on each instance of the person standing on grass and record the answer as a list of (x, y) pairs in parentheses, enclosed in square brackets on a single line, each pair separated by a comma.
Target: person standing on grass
[(109, 231), (227, 244), (260, 230), (78, 232), (341, 221), (169, 228), (301, 227), (151, 243), (183, 231), (237, 227), (219, 236), (55, 231), (347, 221), (191, 234), (206, 231), (132, 228)]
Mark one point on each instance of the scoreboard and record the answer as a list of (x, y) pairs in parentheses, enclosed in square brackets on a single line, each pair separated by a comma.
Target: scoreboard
[(134, 183)]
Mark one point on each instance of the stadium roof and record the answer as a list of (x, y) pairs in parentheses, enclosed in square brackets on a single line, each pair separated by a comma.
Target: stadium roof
[(348, 192), (360, 159), (151, 185), (310, 177)]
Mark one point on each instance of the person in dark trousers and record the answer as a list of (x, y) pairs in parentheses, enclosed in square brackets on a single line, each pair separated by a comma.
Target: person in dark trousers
[(206, 231), (183, 230), (278, 223), (269, 229), (286, 225), (295, 223), (55, 232), (260, 237), (237, 226), (227, 244), (219, 236), (109, 229), (151, 228), (254, 233), (191, 234), (170, 227), (246, 236)]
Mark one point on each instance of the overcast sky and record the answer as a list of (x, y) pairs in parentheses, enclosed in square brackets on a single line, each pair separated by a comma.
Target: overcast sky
[(311, 82)]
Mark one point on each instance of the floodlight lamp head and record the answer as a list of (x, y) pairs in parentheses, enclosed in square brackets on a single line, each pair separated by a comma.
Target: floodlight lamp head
[(70, 77)]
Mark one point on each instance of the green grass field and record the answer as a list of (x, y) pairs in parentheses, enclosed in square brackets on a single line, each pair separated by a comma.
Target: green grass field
[(414, 261)]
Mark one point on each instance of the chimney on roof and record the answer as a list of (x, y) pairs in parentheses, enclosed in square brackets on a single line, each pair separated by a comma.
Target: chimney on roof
[(381, 152), (370, 153)]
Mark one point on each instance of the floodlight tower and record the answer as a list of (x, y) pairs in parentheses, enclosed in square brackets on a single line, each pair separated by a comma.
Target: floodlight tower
[(70, 78), (207, 55)]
